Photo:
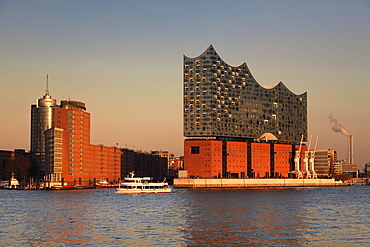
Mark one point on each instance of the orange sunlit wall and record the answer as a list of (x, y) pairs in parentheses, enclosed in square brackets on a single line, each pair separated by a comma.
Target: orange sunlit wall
[(106, 163), (203, 158), (84, 163), (283, 159), (236, 159), (260, 159), (76, 136)]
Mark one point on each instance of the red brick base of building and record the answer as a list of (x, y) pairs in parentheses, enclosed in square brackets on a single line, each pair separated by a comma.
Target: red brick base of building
[(239, 159)]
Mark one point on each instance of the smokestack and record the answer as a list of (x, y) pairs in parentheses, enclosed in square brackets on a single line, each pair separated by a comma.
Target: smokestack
[(337, 127), (350, 149)]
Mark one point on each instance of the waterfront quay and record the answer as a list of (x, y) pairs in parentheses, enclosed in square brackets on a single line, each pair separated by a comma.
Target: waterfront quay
[(252, 182)]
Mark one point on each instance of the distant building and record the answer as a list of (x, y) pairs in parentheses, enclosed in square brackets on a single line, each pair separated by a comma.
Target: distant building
[(326, 163), (144, 164), (127, 162), (42, 119), (234, 126), (7, 157), (367, 170), (337, 167), (350, 169), (174, 163)]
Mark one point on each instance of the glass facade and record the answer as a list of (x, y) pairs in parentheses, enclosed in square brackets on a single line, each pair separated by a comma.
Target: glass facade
[(41, 120), (226, 101)]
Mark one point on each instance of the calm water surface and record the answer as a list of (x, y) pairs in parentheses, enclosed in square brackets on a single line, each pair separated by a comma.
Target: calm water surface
[(333, 216)]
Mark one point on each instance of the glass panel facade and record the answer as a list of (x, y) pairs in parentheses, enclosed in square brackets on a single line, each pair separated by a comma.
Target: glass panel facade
[(235, 105)]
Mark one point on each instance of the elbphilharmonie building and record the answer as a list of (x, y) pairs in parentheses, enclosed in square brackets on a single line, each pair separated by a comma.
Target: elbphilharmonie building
[(236, 128), (224, 101)]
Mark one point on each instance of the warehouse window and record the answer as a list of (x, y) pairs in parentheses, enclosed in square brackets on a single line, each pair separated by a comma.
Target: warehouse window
[(195, 149)]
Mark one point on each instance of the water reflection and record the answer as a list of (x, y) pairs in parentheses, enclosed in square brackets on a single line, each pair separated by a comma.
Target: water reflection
[(55, 221), (275, 217), (242, 217)]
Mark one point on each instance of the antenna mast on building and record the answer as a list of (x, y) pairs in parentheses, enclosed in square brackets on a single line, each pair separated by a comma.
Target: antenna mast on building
[(47, 84)]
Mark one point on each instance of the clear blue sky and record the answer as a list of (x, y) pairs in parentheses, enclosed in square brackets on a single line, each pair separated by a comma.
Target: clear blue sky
[(124, 60)]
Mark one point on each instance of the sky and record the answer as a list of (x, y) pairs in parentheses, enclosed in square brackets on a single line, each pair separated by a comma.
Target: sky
[(124, 60)]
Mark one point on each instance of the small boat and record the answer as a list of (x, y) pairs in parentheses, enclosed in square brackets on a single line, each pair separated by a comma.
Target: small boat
[(105, 184), (63, 187), (131, 185), (11, 184), (71, 187)]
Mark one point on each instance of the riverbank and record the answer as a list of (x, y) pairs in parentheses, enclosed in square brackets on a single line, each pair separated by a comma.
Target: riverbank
[(250, 182)]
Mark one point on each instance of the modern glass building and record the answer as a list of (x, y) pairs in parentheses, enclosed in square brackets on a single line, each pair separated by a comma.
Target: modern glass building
[(223, 101), (41, 120), (236, 128)]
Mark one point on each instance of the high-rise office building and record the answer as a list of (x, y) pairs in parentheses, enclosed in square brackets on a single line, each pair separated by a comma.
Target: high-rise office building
[(41, 120), (234, 127)]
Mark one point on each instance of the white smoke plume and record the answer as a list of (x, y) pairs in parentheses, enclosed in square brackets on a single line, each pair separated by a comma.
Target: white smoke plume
[(337, 127)]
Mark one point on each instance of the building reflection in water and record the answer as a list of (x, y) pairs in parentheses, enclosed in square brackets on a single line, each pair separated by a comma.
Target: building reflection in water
[(237, 217), (63, 222)]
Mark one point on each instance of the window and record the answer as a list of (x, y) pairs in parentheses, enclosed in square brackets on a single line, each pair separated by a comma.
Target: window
[(195, 149)]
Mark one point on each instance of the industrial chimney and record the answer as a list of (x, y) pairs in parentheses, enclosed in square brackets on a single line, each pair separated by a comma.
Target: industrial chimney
[(350, 148)]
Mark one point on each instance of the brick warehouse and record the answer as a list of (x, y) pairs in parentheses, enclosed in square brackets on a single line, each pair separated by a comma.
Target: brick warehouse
[(234, 127)]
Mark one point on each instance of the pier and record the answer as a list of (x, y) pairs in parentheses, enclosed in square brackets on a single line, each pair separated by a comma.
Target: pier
[(252, 182)]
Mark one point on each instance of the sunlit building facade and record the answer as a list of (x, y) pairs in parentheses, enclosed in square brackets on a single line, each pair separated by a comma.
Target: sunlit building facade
[(233, 126), (61, 149), (82, 163)]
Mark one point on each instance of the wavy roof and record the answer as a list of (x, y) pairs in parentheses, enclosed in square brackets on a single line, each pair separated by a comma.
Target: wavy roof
[(245, 66)]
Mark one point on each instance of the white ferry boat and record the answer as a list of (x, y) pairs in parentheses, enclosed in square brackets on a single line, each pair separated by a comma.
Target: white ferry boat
[(131, 185)]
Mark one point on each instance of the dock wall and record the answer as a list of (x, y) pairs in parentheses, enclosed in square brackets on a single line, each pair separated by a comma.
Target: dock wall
[(250, 182)]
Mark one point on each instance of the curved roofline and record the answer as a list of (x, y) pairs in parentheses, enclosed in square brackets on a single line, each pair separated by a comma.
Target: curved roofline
[(281, 84), (211, 47), (268, 87)]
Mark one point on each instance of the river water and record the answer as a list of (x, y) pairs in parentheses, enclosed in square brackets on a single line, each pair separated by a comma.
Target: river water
[(324, 216)]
